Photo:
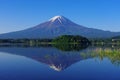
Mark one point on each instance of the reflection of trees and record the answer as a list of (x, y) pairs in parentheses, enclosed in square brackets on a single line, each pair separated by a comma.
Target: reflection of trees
[(70, 47), (63, 47), (112, 54)]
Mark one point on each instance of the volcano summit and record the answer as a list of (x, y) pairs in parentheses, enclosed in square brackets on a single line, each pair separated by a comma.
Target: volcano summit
[(57, 26)]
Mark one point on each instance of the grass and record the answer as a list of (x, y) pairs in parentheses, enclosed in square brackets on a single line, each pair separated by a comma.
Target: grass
[(112, 54)]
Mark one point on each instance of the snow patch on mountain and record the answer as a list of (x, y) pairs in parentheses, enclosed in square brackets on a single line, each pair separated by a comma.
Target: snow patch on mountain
[(58, 18), (54, 18)]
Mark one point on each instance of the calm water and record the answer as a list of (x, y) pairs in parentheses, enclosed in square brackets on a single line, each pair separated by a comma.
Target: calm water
[(50, 63)]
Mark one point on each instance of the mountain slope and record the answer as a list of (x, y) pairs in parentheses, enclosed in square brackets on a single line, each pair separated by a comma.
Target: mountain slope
[(57, 26)]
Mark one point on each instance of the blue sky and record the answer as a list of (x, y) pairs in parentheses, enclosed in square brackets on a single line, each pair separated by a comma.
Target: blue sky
[(21, 14)]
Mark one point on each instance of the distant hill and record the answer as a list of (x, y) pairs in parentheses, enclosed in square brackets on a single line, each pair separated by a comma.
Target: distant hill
[(116, 37), (57, 26)]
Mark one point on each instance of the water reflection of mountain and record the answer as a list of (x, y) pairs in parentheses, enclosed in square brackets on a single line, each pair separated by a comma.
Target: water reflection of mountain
[(60, 59), (56, 59)]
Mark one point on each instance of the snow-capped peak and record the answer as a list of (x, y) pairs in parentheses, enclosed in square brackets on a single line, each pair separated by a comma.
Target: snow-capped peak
[(59, 18), (57, 68), (55, 17)]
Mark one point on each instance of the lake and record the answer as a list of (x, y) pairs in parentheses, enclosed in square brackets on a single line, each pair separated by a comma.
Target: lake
[(59, 63)]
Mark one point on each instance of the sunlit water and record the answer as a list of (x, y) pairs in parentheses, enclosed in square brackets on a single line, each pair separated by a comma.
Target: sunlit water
[(48, 63)]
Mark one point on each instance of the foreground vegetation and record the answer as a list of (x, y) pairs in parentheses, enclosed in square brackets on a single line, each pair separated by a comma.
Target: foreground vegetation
[(113, 54)]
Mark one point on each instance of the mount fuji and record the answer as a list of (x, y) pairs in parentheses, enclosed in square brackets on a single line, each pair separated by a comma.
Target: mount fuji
[(57, 26)]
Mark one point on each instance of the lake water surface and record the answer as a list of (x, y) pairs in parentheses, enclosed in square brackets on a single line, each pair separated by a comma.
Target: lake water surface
[(50, 63)]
